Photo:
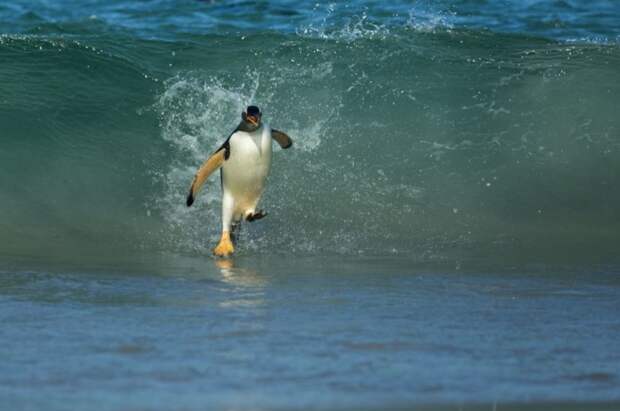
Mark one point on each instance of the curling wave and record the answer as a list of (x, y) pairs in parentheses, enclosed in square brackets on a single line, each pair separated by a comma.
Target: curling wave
[(418, 138)]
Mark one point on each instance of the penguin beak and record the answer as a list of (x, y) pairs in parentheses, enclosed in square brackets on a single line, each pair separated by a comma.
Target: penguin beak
[(254, 120)]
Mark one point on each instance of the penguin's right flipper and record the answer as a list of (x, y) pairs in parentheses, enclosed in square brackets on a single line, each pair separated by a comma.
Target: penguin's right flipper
[(282, 139), (208, 167)]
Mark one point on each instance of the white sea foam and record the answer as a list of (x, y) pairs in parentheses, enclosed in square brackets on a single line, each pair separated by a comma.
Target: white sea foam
[(333, 26), (428, 21), (354, 28)]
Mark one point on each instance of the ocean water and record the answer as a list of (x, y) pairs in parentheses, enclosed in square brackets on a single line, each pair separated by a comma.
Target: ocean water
[(444, 233)]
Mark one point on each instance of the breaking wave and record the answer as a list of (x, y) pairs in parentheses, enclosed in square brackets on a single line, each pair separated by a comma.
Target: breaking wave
[(413, 136)]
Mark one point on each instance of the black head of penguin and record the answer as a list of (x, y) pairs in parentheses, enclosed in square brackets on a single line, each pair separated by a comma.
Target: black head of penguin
[(251, 119), (253, 111)]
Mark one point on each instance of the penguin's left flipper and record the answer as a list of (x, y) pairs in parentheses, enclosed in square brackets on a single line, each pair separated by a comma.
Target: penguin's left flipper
[(208, 167), (282, 139), (256, 216)]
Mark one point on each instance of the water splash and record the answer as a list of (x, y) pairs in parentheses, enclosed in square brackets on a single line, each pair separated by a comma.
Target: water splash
[(349, 29), (427, 20), (196, 116), (197, 112)]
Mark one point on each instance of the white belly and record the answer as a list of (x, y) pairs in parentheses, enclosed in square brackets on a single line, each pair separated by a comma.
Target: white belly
[(245, 172)]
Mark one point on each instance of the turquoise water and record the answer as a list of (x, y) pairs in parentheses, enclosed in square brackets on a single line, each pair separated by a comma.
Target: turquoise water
[(443, 234), (420, 130)]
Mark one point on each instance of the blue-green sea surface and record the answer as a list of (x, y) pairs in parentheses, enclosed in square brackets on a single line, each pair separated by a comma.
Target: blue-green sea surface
[(310, 333)]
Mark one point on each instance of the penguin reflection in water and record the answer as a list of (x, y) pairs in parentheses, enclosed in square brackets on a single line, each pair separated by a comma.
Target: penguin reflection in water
[(245, 160)]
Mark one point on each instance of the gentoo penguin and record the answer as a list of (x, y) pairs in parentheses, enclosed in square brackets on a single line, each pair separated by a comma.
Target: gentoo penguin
[(245, 160)]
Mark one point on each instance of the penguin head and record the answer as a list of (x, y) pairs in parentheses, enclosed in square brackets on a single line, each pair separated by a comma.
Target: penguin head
[(252, 117)]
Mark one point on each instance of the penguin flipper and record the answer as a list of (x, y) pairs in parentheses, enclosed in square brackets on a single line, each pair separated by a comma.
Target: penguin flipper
[(208, 167), (282, 139)]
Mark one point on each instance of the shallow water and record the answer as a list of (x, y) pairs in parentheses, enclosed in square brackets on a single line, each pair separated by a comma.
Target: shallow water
[(311, 333)]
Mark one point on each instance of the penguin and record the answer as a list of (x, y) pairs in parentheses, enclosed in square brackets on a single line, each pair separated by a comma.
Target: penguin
[(244, 161)]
